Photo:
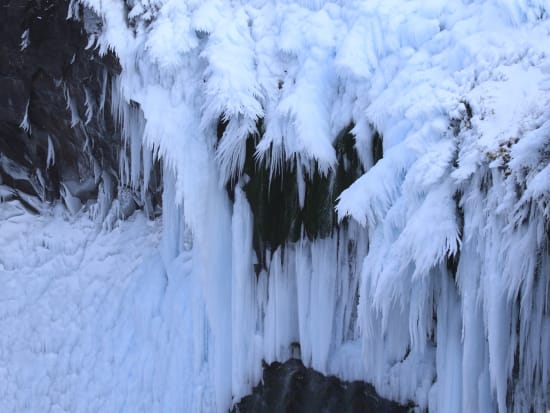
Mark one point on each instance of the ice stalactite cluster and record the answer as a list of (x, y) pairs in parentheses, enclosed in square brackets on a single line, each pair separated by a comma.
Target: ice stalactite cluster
[(434, 286)]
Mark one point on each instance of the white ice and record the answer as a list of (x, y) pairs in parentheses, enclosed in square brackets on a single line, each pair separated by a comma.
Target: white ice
[(460, 93)]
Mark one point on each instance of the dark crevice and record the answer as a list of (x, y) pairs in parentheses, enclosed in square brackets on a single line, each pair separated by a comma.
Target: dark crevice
[(377, 147), (290, 387), (274, 197), (454, 258)]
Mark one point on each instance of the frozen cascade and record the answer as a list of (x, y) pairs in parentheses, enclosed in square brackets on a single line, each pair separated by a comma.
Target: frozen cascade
[(434, 286)]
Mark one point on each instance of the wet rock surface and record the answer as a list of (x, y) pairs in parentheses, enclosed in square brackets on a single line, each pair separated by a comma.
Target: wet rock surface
[(292, 388)]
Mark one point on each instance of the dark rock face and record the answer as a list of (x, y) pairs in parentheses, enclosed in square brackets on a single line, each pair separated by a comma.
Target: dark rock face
[(279, 216), (292, 388), (56, 129)]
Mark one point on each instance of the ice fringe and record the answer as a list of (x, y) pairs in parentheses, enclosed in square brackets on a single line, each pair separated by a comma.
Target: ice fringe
[(450, 256)]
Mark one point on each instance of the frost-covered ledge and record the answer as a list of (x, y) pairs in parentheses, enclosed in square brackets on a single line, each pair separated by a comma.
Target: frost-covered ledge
[(437, 290)]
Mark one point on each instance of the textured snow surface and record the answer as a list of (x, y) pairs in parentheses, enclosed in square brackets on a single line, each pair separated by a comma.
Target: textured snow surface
[(90, 319), (460, 93)]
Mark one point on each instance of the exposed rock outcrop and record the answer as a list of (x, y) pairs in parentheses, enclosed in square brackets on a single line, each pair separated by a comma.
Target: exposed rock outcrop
[(291, 387), (57, 135)]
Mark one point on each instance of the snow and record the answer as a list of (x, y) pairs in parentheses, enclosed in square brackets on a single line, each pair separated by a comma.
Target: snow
[(84, 314), (459, 93), (25, 41)]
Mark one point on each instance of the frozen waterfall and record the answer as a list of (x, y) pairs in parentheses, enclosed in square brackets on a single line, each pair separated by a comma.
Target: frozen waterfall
[(364, 182)]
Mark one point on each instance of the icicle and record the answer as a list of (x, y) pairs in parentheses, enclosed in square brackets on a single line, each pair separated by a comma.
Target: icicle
[(147, 168), (246, 340), (89, 106), (50, 158), (103, 92), (449, 350), (72, 203), (73, 10), (71, 106), (40, 186), (134, 129), (25, 125), (25, 41), (280, 324)]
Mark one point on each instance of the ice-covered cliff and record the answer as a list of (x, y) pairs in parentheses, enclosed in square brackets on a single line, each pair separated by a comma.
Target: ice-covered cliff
[(365, 183)]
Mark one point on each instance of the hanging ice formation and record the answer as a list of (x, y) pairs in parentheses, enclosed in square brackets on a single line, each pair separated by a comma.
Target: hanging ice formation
[(432, 282)]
